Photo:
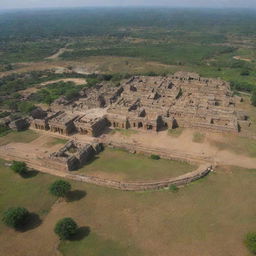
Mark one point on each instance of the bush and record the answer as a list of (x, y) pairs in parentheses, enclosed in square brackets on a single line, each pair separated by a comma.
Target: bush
[(250, 242), (19, 167), (155, 157), (26, 107), (60, 188), (4, 130), (173, 188), (65, 228), (245, 73), (15, 217), (253, 98)]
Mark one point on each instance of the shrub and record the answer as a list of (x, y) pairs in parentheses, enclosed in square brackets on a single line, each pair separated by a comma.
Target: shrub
[(155, 157), (245, 73), (173, 188), (65, 228), (4, 130), (253, 98), (60, 188), (15, 217), (250, 242), (19, 167), (26, 107)]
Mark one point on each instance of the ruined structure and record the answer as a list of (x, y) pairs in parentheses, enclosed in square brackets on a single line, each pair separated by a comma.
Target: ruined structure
[(73, 155), (184, 100), (19, 124), (150, 103), (91, 123)]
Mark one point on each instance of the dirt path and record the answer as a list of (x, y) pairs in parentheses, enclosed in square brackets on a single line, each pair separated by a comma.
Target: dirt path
[(184, 143), (59, 52), (35, 152)]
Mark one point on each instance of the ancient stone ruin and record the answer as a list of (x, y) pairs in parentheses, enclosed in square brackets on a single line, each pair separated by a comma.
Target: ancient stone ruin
[(73, 155), (150, 103)]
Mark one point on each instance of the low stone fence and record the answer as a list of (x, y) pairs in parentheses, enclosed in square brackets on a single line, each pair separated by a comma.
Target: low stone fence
[(184, 179), (142, 186)]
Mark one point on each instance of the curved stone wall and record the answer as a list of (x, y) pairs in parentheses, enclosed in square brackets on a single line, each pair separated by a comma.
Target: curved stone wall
[(141, 186)]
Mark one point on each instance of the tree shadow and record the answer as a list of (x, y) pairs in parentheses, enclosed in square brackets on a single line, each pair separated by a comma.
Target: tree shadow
[(81, 233), (33, 221), (75, 195), (29, 174)]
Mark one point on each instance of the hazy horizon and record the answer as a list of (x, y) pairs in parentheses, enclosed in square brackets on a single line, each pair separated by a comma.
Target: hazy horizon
[(30, 4)]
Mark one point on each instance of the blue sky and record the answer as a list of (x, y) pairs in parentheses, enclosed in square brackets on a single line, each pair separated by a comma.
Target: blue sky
[(172, 3)]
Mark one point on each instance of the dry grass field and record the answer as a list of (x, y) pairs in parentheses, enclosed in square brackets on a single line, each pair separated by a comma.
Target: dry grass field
[(22, 137), (191, 221)]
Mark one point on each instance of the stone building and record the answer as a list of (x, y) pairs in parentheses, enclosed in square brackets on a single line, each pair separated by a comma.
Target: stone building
[(149, 103), (184, 99), (63, 123), (19, 124), (41, 122), (73, 155), (90, 126)]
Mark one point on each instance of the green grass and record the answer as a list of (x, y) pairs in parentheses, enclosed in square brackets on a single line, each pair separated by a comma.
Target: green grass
[(56, 141), (239, 145), (119, 164), (95, 245), (198, 137), (23, 137), (31, 193), (175, 132), (125, 132), (200, 216)]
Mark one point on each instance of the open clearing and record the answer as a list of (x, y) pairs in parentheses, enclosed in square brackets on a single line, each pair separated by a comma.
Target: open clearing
[(199, 216), (125, 166), (21, 137)]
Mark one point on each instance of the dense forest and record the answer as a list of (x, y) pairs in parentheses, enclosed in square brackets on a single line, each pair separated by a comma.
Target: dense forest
[(41, 24)]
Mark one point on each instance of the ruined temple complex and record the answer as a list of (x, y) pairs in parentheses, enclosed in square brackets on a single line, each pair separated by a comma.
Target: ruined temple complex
[(146, 102)]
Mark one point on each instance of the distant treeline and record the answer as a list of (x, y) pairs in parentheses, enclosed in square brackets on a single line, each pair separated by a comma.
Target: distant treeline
[(41, 24)]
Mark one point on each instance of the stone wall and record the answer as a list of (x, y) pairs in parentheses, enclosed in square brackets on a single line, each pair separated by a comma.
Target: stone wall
[(141, 186)]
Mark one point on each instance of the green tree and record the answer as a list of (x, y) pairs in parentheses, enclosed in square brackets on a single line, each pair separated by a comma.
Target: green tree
[(173, 188), (253, 98), (26, 107), (250, 242), (60, 188), (65, 228), (155, 157), (19, 167), (15, 217)]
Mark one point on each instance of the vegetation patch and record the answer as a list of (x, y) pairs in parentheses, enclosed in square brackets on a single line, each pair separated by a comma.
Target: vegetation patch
[(237, 144), (198, 137), (56, 141), (155, 157), (125, 132), (119, 164), (175, 132), (22, 136)]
